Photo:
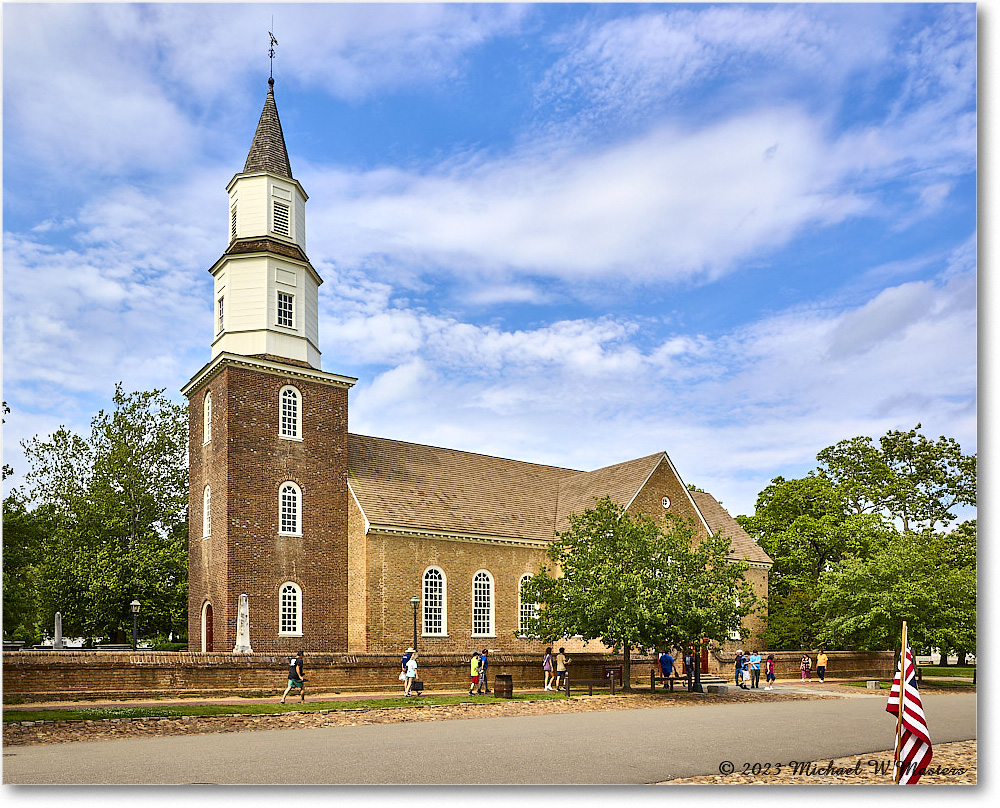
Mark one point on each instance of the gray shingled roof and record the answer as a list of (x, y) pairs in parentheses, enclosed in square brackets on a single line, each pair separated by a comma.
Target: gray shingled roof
[(418, 487), (267, 153), (719, 521)]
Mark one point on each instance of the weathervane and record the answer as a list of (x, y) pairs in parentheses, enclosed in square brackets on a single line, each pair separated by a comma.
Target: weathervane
[(271, 51)]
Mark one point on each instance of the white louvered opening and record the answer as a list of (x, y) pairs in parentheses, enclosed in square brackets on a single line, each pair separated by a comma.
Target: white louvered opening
[(281, 219)]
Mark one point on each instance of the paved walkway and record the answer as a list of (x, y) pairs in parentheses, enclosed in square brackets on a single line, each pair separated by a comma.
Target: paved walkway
[(830, 687)]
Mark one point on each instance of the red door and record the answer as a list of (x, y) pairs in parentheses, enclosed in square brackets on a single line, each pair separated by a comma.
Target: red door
[(208, 628), (704, 656)]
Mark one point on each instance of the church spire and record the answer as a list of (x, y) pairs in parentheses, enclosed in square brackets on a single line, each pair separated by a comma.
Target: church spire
[(267, 153)]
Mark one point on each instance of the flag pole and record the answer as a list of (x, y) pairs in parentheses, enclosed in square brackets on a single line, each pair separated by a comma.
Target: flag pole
[(899, 712)]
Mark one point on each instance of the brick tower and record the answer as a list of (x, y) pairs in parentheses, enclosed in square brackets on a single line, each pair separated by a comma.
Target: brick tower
[(267, 431)]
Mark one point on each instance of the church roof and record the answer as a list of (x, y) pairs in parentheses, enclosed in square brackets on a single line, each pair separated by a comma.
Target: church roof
[(719, 521), (411, 486), (267, 152)]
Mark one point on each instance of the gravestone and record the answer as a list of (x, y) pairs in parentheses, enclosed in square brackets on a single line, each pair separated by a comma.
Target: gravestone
[(243, 628), (57, 642)]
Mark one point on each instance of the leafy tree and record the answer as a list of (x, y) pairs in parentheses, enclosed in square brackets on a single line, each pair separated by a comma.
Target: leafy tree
[(626, 581), (906, 478), (119, 519), (24, 533), (863, 602)]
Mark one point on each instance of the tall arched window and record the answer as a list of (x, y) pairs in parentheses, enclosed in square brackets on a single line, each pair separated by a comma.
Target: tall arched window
[(435, 600), (526, 611), (206, 513), (208, 416), (290, 510), (482, 604), (290, 610), (291, 414)]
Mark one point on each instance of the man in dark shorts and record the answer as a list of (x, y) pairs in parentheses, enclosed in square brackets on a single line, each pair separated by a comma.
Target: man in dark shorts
[(295, 678)]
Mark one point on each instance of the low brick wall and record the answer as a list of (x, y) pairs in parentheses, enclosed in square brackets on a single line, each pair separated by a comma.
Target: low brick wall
[(840, 665), (88, 675)]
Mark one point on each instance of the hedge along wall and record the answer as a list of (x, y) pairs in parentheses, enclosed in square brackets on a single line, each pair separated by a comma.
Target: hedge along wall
[(71, 675)]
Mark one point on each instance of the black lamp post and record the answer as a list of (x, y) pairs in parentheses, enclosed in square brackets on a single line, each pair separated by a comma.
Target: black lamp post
[(135, 622), (414, 600)]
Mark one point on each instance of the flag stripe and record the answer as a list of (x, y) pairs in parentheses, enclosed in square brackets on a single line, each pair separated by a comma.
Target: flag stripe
[(915, 750)]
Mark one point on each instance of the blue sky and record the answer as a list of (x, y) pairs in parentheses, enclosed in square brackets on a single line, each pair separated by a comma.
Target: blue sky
[(571, 234)]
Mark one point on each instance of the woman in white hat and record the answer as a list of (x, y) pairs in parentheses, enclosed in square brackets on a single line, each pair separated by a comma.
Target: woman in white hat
[(402, 668)]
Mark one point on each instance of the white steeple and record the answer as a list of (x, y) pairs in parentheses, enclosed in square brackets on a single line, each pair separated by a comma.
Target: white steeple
[(266, 291)]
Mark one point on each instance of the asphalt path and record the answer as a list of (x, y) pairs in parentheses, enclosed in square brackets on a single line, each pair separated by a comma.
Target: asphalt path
[(612, 747)]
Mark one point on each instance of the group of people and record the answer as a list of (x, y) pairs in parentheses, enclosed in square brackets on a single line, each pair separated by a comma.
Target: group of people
[(479, 662), (555, 677), (408, 671), (668, 667), (806, 666), (747, 672)]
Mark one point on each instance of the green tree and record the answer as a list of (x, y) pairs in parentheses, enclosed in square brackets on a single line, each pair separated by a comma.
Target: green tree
[(24, 534), (633, 585), (906, 478), (119, 519), (862, 603)]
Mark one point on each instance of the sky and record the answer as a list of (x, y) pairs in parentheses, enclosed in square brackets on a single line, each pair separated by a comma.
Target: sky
[(573, 234)]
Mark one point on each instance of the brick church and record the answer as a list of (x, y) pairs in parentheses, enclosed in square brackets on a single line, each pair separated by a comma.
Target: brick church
[(339, 539)]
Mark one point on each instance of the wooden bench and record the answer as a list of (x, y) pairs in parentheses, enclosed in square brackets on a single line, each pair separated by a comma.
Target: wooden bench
[(592, 683), (667, 680)]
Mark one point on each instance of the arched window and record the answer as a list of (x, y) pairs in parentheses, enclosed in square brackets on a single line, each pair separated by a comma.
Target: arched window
[(482, 604), (208, 416), (290, 610), (290, 510), (206, 513), (435, 603), (291, 414), (525, 611)]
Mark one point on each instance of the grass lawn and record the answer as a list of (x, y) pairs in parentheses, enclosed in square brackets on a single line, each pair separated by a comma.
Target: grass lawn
[(925, 685), (98, 713), (951, 670)]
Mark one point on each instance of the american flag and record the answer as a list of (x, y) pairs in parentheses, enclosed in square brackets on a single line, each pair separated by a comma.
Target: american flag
[(914, 741)]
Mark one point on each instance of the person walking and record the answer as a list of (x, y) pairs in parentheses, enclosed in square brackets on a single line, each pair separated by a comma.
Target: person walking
[(402, 668), (295, 677), (738, 668), (547, 668), (821, 659), (484, 663), (561, 663), (769, 672), (666, 664), (754, 669), (474, 671), (689, 667), (411, 674), (806, 667)]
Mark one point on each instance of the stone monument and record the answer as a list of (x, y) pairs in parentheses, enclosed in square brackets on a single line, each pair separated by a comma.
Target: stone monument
[(57, 640), (243, 628)]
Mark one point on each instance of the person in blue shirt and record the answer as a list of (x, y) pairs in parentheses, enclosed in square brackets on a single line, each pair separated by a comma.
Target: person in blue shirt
[(666, 664), (754, 669), (484, 663), (738, 669)]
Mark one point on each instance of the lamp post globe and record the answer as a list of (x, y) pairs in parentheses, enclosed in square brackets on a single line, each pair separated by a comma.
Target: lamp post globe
[(135, 623)]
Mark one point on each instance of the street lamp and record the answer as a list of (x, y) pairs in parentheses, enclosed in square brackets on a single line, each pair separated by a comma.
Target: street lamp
[(414, 600), (135, 622)]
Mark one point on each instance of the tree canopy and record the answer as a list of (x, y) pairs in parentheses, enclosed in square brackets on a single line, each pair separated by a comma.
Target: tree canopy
[(110, 518), (634, 585), (844, 521)]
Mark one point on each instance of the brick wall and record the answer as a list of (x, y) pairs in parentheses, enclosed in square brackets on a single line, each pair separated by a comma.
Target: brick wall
[(33, 676), (840, 665)]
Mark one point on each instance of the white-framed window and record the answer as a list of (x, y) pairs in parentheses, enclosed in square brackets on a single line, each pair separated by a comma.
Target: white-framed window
[(735, 633), (232, 225), (282, 219), (435, 602), (526, 611), (222, 314), (291, 413), (286, 315), (208, 417), (290, 510), (206, 513), (482, 604), (290, 610)]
